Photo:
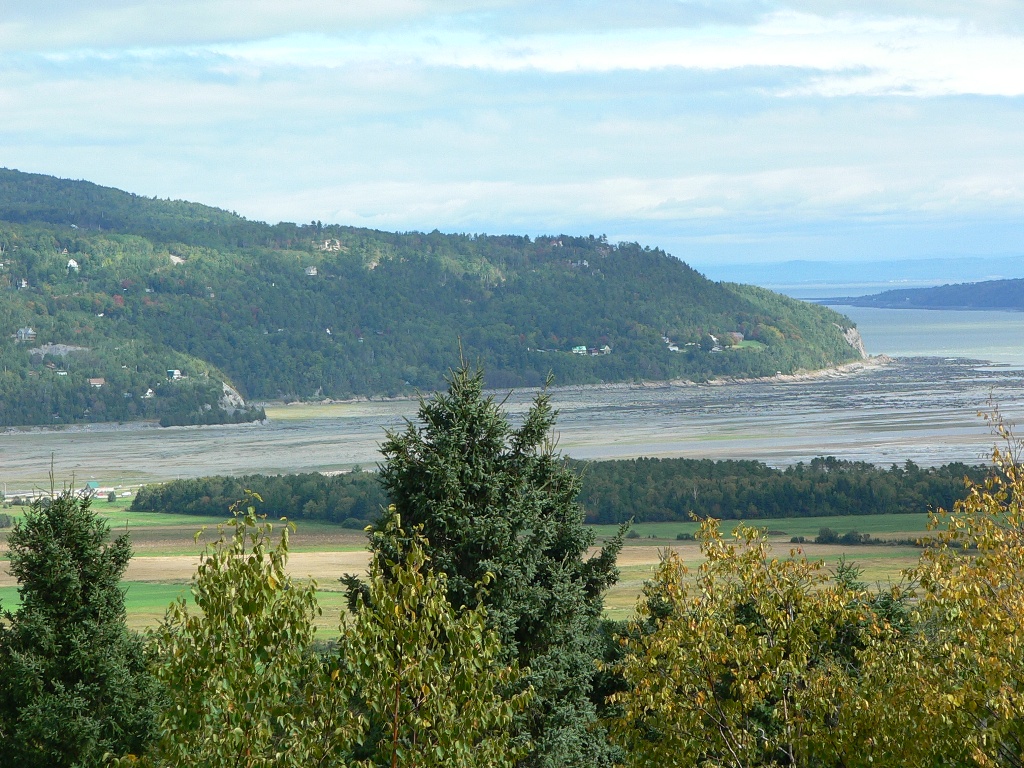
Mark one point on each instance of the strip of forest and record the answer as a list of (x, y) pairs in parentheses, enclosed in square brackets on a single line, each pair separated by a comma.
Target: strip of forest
[(643, 490)]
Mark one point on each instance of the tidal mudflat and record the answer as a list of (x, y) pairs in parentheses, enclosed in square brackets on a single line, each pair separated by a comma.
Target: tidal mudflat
[(922, 409)]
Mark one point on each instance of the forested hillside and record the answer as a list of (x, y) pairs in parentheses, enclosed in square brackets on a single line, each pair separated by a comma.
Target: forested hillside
[(107, 285)]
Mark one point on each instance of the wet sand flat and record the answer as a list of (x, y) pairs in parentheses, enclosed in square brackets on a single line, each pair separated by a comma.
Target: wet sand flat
[(922, 409)]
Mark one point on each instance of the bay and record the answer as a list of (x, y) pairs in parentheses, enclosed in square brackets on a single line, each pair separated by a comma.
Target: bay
[(996, 336), (923, 407)]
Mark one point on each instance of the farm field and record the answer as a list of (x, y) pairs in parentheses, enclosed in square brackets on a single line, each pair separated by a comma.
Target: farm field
[(166, 554), (880, 526)]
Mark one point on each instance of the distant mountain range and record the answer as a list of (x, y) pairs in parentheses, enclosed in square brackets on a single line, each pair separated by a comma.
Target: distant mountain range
[(120, 307), (821, 279), (988, 294)]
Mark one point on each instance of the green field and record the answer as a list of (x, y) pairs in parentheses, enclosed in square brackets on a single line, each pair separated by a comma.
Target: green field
[(147, 602), (157, 536)]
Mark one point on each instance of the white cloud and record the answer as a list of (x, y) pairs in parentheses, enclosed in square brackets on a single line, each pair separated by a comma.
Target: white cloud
[(47, 25), (714, 121), (841, 56), (794, 195)]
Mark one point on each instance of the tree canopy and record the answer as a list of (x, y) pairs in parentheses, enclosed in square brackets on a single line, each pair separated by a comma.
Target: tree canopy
[(74, 682), (496, 501)]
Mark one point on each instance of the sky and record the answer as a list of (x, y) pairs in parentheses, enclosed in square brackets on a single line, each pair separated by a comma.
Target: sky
[(724, 131)]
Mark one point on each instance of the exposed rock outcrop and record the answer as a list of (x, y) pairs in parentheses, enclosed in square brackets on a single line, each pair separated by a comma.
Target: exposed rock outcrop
[(231, 401), (852, 336), (57, 350)]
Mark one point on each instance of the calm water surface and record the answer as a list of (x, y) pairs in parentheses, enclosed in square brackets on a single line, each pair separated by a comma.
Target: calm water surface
[(993, 336), (923, 407)]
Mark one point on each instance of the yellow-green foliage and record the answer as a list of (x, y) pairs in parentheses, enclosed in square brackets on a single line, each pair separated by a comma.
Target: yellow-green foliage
[(724, 669), (413, 681), (244, 687), (425, 678), (761, 660), (969, 663)]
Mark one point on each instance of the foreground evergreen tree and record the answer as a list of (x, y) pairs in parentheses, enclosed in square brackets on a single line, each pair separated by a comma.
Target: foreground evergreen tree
[(494, 499), (73, 679)]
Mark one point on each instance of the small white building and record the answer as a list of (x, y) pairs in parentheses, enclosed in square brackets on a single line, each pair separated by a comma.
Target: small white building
[(72, 266), (311, 271)]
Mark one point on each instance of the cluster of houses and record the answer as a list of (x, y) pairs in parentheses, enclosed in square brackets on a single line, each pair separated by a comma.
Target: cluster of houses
[(592, 351), (673, 347), (734, 336), (28, 334)]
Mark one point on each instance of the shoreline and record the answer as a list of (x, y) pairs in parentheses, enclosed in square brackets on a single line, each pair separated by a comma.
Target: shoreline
[(839, 371)]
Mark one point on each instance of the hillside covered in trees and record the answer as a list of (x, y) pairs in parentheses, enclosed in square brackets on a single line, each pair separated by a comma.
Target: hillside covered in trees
[(106, 292)]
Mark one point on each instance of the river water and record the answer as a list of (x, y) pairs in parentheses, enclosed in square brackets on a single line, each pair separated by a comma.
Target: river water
[(924, 407)]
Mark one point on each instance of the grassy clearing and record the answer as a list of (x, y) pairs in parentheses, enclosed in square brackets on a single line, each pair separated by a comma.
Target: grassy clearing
[(9, 598), (147, 602)]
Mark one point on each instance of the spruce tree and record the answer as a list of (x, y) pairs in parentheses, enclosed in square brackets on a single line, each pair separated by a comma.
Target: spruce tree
[(497, 499), (73, 679)]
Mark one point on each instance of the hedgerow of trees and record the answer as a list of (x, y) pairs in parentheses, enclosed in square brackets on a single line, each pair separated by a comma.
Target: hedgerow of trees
[(643, 490), (354, 499), (654, 490)]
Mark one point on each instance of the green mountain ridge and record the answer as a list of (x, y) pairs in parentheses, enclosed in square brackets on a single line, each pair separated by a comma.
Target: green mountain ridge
[(145, 286)]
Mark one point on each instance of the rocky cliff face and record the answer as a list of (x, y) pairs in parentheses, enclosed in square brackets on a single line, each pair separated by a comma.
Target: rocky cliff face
[(852, 336), (231, 400)]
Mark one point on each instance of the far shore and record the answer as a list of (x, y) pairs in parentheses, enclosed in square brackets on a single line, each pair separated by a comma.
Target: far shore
[(846, 369)]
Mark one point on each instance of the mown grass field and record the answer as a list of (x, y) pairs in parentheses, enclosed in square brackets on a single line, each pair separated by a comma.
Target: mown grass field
[(166, 554)]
